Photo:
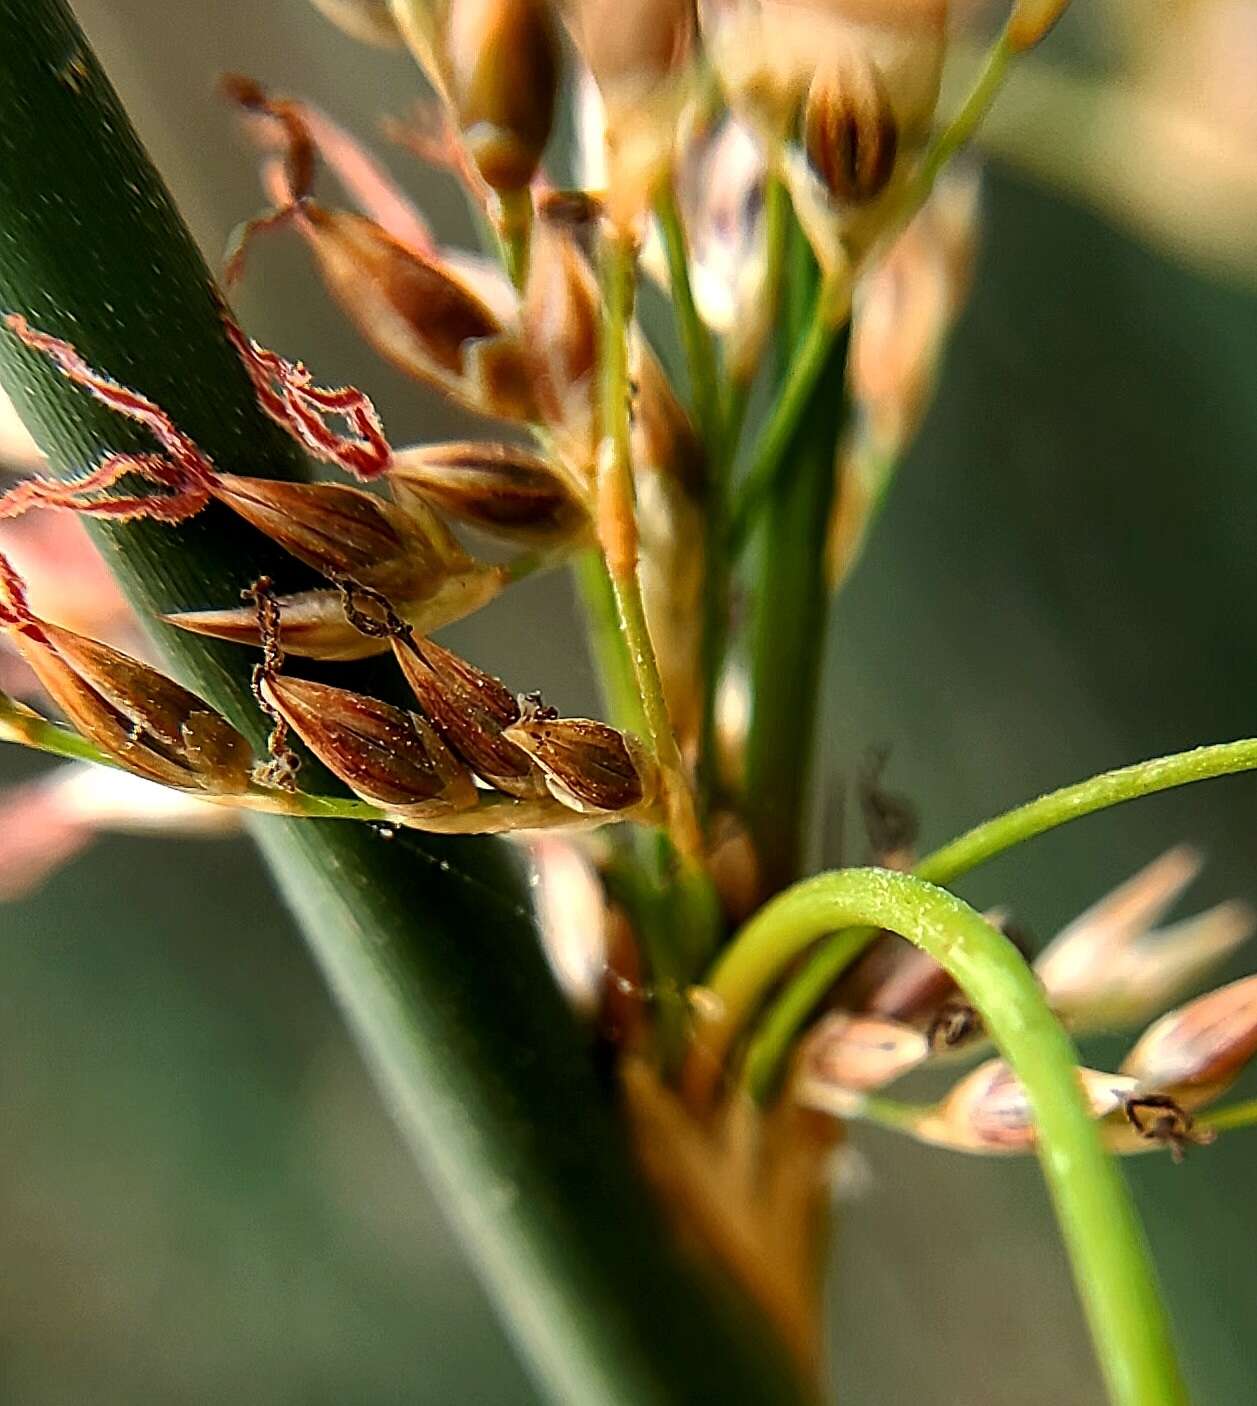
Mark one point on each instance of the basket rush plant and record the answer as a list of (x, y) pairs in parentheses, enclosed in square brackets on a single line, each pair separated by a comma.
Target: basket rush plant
[(627, 1036)]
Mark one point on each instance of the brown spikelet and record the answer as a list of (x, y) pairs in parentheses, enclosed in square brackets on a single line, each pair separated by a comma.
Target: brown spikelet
[(472, 711), (339, 531), (138, 717), (849, 130), (499, 488), (392, 759), (588, 765)]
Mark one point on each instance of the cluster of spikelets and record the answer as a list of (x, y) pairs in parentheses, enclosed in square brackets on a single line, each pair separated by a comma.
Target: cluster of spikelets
[(1110, 969), (836, 101), (526, 354)]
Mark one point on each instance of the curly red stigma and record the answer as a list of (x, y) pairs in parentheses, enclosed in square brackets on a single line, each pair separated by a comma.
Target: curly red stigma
[(286, 392), (184, 470)]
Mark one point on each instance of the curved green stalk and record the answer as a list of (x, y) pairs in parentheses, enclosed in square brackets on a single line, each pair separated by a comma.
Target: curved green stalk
[(767, 1050), (1111, 1265)]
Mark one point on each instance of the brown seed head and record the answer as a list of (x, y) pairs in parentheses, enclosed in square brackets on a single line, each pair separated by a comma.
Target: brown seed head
[(143, 720), (504, 65), (392, 759), (339, 531), (415, 311), (501, 489), (588, 765), (849, 129), (472, 711)]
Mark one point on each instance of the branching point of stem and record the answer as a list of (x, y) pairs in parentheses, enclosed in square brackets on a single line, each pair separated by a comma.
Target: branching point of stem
[(1112, 1268)]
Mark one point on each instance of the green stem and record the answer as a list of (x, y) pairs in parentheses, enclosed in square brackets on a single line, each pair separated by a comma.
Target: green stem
[(704, 373), (788, 633), (766, 1052), (1225, 1120), (428, 945), (768, 454), (617, 518), (696, 338), (1112, 1269), (515, 234)]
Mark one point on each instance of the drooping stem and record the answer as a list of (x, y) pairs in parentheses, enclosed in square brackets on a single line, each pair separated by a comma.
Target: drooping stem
[(768, 1048), (617, 531), (1112, 1269)]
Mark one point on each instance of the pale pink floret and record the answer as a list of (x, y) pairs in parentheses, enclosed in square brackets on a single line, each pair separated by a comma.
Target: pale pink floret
[(48, 822)]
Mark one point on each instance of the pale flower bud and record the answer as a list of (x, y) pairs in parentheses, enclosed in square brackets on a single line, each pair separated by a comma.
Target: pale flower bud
[(504, 75), (849, 130), (1195, 1052), (1031, 20), (862, 1052)]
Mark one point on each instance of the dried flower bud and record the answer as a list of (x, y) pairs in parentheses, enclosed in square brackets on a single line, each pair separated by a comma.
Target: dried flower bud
[(472, 710), (368, 20), (504, 76), (988, 1111), (861, 1052), (342, 532), (1196, 1051), (1108, 968), (849, 130), (1031, 20), (417, 312), (143, 720), (572, 919), (393, 759), (501, 489), (314, 623), (588, 765)]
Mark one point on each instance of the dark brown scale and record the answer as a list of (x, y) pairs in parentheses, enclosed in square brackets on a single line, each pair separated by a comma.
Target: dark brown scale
[(849, 131)]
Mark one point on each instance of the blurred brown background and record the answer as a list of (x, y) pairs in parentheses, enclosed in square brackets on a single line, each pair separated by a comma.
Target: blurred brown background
[(200, 1197)]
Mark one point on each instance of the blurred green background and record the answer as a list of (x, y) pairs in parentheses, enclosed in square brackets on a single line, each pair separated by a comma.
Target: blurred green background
[(201, 1198)]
